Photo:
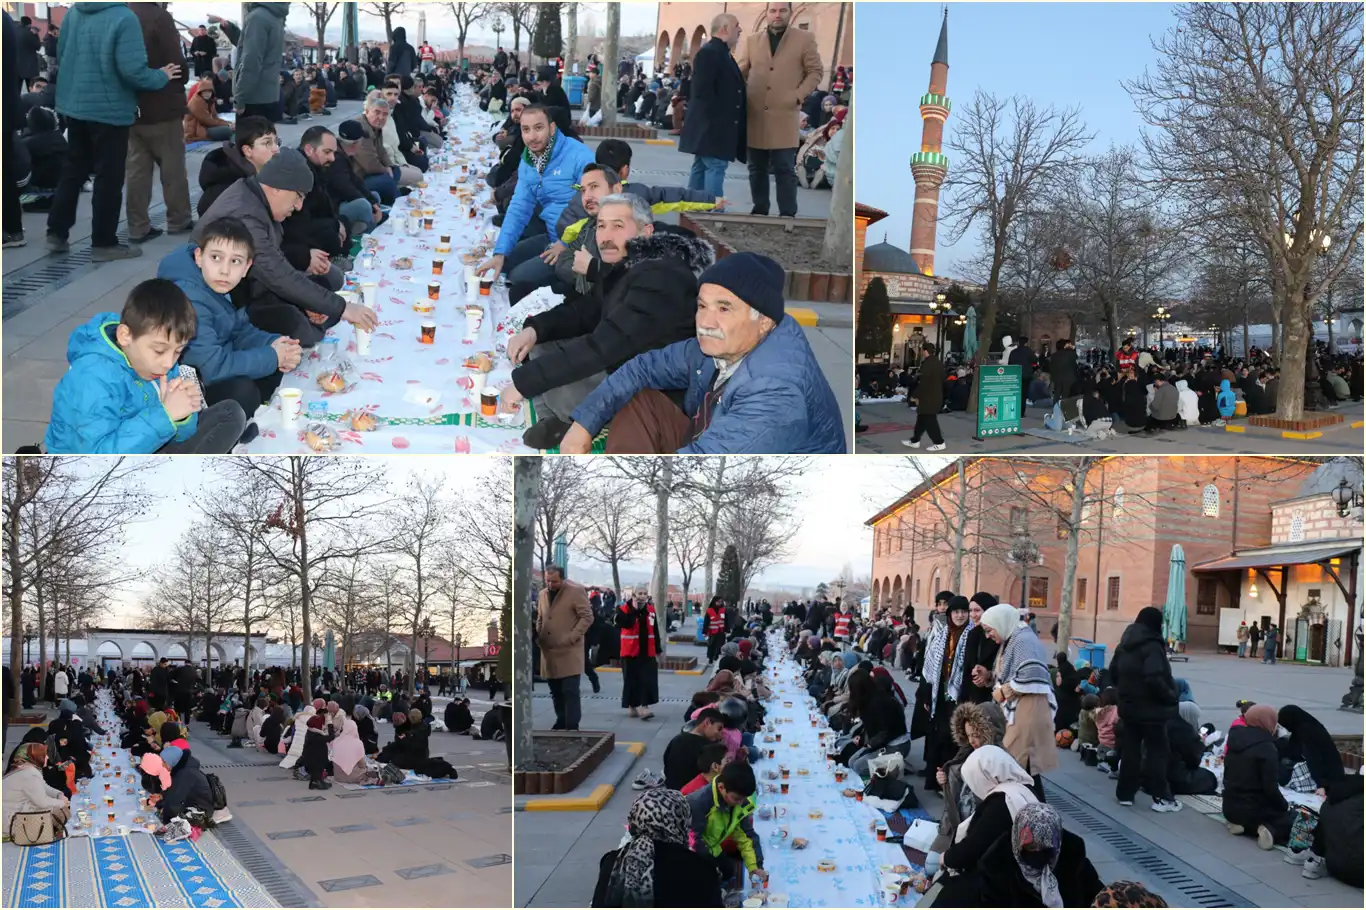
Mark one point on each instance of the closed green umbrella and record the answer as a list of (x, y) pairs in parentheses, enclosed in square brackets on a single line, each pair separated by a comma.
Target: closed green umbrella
[(1174, 610), (330, 651), (970, 335)]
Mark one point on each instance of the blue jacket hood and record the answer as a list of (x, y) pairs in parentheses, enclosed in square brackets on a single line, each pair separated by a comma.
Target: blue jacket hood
[(179, 265), (96, 337)]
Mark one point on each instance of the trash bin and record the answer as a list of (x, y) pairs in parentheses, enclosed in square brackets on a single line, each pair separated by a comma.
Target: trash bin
[(1091, 652), (702, 629), (573, 88)]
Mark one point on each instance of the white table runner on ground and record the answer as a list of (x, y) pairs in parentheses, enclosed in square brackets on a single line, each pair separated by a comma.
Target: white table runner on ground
[(843, 834), (113, 767), (420, 393)]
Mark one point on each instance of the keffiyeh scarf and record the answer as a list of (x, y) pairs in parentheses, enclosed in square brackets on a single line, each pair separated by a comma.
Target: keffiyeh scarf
[(540, 161), (934, 662), (658, 815)]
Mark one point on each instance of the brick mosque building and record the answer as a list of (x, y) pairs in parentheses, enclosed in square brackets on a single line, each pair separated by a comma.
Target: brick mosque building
[(1264, 541), (681, 28)]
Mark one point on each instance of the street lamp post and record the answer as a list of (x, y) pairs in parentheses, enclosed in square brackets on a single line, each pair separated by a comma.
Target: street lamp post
[(1024, 552), (1348, 498), (1162, 315), (497, 28), (939, 306)]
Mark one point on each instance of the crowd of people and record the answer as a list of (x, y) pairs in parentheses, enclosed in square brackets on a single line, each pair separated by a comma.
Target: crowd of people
[(1137, 390)]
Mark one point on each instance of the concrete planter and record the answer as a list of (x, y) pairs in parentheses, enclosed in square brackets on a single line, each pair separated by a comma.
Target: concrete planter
[(1349, 747), (616, 132), (817, 286), (1312, 420), (596, 748)]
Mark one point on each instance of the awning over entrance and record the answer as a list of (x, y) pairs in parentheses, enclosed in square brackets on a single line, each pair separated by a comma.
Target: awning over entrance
[(1287, 555)]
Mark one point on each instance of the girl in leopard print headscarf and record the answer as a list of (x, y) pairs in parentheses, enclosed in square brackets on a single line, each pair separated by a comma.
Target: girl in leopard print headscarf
[(658, 815)]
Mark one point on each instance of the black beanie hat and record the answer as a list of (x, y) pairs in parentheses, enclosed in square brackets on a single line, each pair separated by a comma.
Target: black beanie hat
[(755, 279), (1150, 617), (984, 600), (958, 602), (350, 131)]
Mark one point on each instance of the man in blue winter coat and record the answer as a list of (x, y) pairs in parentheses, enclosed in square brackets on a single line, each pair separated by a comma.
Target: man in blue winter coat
[(753, 385), (547, 177), (103, 64)]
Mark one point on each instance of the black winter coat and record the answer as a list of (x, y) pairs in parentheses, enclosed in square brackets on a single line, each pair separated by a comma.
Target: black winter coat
[(314, 758), (884, 719), (929, 390), (715, 124), (1063, 368), (189, 789), (990, 822), (1312, 743), (271, 731), (648, 304), (1252, 792), (997, 881), (1341, 819), (458, 718), (1183, 764), (403, 60), (222, 167), (682, 878), (1143, 676), (365, 729), (344, 179), (980, 651)]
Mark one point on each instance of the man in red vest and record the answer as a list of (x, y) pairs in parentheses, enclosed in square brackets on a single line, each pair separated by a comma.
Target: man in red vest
[(639, 670), (844, 623), (715, 628)]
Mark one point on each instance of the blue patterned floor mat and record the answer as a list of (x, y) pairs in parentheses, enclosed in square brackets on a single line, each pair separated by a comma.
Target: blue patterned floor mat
[(134, 871)]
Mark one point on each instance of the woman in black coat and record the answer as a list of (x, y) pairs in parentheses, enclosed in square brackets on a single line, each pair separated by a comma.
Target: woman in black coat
[(1134, 403), (1311, 742), (315, 759), (1065, 682), (978, 650), (365, 729), (714, 125), (1253, 803), (657, 868), (272, 728)]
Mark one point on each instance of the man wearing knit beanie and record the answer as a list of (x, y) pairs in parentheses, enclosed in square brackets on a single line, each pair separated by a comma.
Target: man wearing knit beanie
[(753, 385)]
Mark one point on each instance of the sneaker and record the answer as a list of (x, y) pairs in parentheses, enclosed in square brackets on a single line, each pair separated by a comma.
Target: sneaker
[(1313, 866), (58, 244), (152, 234), (221, 815), (111, 253), (1126, 802), (1166, 805), (911, 443), (937, 447), (1103, 766), (14, 239), (1235, 830), (88, 186), (1265, 839), (647, 780), (1296, 857)]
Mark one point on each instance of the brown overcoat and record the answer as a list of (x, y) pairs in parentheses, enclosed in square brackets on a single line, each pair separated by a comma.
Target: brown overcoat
[(776, 86), (560, 627)]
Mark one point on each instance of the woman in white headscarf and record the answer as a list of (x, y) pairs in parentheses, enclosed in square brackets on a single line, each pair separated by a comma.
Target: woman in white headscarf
[(1002, 789), (348, 754), (1023, 687), (296, 745)]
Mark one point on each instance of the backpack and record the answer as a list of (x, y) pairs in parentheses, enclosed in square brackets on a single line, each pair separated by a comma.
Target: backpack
[(216, 789)]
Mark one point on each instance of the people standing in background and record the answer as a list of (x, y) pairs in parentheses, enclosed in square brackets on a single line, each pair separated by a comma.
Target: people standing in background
[(202, 51), (714, 126), (562, 617), (1271, 648), (157, 138)]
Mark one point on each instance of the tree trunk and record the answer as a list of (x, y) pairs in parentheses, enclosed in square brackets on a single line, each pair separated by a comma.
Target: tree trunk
[(839, 225), (609, 65), (305, 596), (1294, 351), (16, 593), (1069, 572), (526, 488), (712, 521), (616, 575), (989, 311), (571, 44), (659, 584)]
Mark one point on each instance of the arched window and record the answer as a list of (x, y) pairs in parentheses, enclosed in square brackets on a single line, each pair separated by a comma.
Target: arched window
[(1209, 501), (1297, 527), (1119, 502)]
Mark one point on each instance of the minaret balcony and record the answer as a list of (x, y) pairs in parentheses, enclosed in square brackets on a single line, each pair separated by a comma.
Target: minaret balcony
[(929, 160), (933, 100)]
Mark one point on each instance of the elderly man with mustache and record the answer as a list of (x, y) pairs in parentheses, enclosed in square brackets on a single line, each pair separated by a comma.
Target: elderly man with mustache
[(752, 384)]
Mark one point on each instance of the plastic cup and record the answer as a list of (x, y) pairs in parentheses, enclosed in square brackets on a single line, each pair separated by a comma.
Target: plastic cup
[(474, 319), (454, 189), (370, 291), (428, 331), (428, 223), (434, 290), (488, 403), (783, 787), (437, 266), (881, 831), (477, 381), (471, 281), (291, 405), (362, 341)]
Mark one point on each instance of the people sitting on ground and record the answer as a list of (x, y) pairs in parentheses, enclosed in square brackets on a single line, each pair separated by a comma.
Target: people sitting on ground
[(293, 95), (1002, 788), (1253, 804), (272, 729), (35, 813), (365, 729), (881, 721), (722, 813), (314, 758), (400, 143), (1184, 772), (657, 867), (235, 360), (684, 750), (46, 148), (409, 116), (319, 224), (253, 143), (201, 121), (123, 392), (279, 297), (1067, 692), (710, 761), (643, 299), (752, 382), (1311, 743), (973, 726), (362, 140), (457, 717)]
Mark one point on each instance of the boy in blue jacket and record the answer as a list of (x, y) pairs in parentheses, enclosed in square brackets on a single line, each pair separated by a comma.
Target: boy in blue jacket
[(236, 361), (124, 393)]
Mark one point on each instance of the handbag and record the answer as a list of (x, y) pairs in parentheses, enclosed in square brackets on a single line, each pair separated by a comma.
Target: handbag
[(33, 829), (893, 793), (1302, 828), (887, 764)]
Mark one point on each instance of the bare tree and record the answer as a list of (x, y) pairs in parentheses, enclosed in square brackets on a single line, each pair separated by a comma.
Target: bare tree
[(616, 529), (609, 65), (389, 594), (346, 603), (526, 490), (466, 15), (1256, 116), (523, 16), (322, 14), (560, 507), (386, 11), (1006, 155), (762, 530), (240, 510), (422, 535), (483, 528), (688, 541)]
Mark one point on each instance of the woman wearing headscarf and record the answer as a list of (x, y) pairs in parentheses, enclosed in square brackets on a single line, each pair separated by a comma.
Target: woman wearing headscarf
[(1024, 690), (272, 728), (1184, 774), (365, 729), (640, 643), (156, 777), (53, 771), (1311, 742), (1253, 803), (155, 720), (27, 791), (657, 868), (1067, 694), (1002, 788), (973, 726), (69, 734), (941, 681), (883, 720), (298, 737), (979, 652), (314, 759), (1037, 865), (255, 718), (348, 754)]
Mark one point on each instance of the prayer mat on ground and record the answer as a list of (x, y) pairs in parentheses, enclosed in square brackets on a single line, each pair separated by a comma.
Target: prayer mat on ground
[(133, 871), (410, 782), (898, 822)]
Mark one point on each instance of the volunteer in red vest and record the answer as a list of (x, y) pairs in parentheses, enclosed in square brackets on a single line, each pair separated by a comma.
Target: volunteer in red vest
[(715, 628), (427, 54), (640, 643), (844, 622), (1127, 356)]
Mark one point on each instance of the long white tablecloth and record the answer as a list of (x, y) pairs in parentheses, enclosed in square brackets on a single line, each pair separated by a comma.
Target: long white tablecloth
[(844, 832), (114, 770), (419, 393)]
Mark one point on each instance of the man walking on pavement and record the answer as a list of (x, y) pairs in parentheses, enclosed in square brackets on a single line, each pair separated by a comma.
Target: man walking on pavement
[(714, 126), (562, 617), (157, 137), (103, 62), (203, 49), (781, 67)]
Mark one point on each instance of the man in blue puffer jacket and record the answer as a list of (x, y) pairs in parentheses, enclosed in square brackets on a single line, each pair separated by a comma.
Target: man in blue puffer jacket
[(124, 393), (103, 62), (753, 384), (547, 179)]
